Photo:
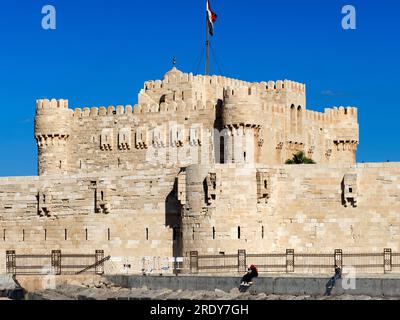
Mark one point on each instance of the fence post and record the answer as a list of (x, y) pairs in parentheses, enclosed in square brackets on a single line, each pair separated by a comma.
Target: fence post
[(242, 266), (11, 265), (99, 269), (56, 261), (387, 260), (339, 258), (194, 261), (289, 260)]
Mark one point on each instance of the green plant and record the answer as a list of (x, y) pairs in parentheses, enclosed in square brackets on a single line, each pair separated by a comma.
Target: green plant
[(300, 158)]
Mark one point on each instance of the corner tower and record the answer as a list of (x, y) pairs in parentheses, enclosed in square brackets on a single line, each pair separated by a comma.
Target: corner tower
[(242, 123), (52, 132)]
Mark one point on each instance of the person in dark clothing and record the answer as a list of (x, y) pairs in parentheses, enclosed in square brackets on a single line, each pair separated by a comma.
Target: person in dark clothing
[(252, 273), (338, 272), (332, 281)]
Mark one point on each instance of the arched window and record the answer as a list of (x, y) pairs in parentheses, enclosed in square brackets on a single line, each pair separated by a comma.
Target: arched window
[(162, 99)]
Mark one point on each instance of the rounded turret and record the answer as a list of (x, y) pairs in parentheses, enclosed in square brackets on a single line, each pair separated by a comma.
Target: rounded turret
[(242, 121), (242, 107), (194, 222), (52, 131)]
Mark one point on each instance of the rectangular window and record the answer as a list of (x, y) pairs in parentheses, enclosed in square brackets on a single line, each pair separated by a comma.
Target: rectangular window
[(238, 232), (45, 234), (65, 234), (213, 233), (4, 234), (109, 234), (86, 234), (147, 233), (23, 235), (222, 150)]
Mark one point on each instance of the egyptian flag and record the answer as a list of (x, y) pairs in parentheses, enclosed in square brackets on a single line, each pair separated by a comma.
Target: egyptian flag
[(211, 18)]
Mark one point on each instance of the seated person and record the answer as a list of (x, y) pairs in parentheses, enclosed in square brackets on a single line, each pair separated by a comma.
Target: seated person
[(252, 273)]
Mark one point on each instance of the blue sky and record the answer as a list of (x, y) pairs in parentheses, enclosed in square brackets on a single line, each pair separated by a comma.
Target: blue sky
[(102, 52)]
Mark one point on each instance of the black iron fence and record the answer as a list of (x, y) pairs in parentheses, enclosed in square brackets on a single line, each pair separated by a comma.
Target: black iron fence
[(293, 262), (56, 263)]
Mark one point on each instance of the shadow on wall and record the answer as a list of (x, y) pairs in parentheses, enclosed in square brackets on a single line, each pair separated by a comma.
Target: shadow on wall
[(173, 219)]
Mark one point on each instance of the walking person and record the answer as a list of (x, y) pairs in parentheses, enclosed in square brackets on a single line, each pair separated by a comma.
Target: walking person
[(332, 281)]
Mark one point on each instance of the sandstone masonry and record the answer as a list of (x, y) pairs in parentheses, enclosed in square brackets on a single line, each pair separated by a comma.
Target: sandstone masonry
[(198, 165)]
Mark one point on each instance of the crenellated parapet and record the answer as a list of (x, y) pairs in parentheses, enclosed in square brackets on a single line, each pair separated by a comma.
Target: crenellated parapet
[(53, 118), (141, 109), (333, 115)]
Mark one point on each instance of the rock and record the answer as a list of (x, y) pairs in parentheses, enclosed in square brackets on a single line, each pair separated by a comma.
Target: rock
[(10, 289), (287, 297), (261, 296), (272, 297), (339, 297), (219, 293), (362, 298), (75, 283), (106, 282), (234, 291)]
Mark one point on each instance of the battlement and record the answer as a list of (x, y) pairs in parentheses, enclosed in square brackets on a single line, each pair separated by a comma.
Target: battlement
[(51, 104), (189, 78), (174, 106), (333, 114), (178, 77)]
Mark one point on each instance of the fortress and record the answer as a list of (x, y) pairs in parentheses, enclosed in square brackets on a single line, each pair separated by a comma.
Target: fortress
[(198, 165)]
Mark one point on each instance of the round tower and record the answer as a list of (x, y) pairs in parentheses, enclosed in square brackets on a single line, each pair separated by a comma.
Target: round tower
[(194, 221), (242, 121), (52, 131)]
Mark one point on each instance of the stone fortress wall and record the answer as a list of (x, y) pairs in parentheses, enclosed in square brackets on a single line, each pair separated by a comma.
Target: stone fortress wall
[(198, 164), (178, 112)]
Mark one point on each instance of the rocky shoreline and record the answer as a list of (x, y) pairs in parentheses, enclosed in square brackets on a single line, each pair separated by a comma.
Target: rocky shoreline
[(104, 290)]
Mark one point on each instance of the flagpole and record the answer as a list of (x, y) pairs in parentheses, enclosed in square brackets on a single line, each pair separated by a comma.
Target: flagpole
[(207, 47)]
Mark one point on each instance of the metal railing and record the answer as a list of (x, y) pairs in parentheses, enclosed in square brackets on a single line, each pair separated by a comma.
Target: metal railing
[(294, 262), (56, 263)]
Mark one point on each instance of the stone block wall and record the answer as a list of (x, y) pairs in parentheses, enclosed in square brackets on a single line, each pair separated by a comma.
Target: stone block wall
[(134, 217), (309, 208)]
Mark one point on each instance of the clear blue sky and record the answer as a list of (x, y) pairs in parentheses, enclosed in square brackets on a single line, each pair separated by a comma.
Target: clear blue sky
[(102, 52)]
